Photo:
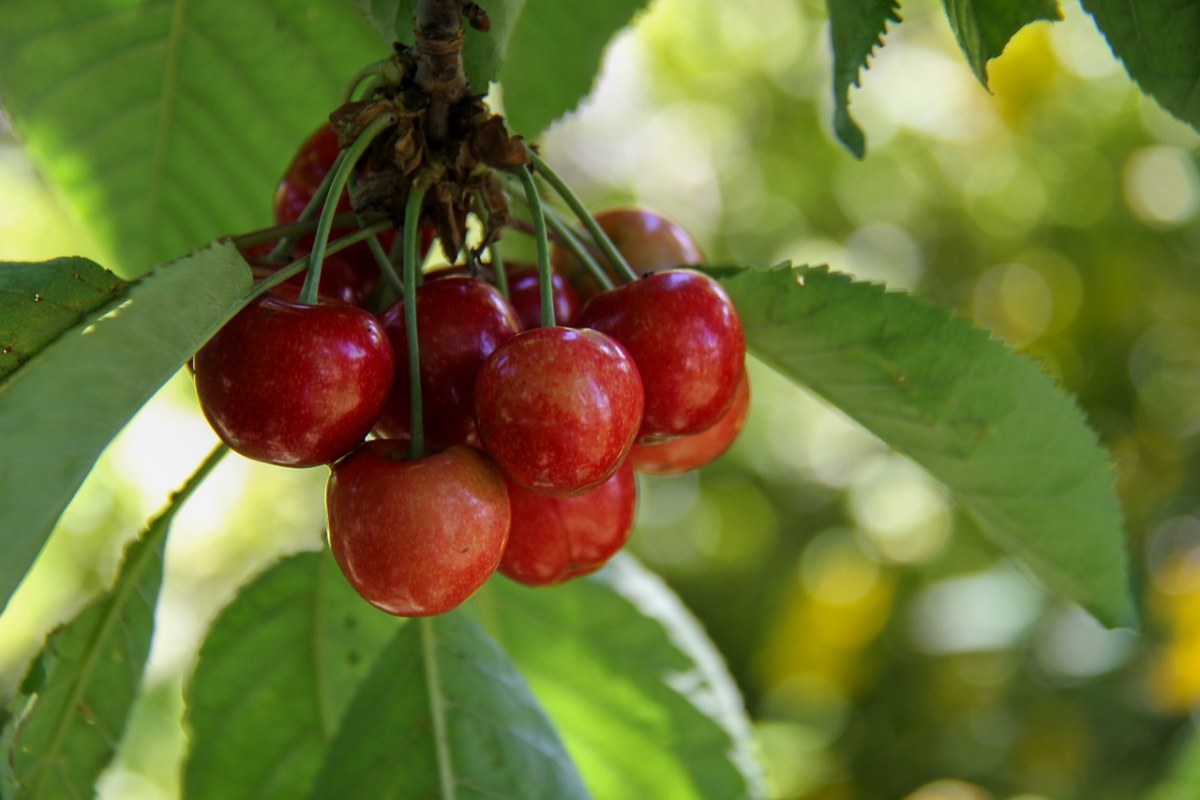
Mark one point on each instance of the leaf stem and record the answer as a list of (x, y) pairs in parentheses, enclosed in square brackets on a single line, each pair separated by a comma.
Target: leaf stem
[(342, 168), (606, 244), (437, 710), (543, 245), (412, 219)]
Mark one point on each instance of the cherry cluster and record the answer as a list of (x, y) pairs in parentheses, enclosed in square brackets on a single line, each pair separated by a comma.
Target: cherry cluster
[(533, 431)]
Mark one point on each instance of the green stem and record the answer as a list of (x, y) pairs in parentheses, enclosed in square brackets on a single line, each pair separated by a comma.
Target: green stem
[(301, 264), (499, 272), (292, 229), (315, 203), (543, 245), (369, 71), (342, 168), (412, 220), (606, 245), (570, 240)]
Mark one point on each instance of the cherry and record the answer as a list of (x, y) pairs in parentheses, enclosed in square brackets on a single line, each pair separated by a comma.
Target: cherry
[(557, 408), (685, 453), (459, 323), (685, 336), (294, 385), (525, 294), (554, 539), (649, 241), (417, 537)]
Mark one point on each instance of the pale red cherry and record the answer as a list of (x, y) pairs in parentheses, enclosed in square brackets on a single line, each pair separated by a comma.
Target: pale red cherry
[(558, 408), (684, 453), (416, 537), (685, 336), (646, 239), (554, 539), (459, 323), (294, 385)]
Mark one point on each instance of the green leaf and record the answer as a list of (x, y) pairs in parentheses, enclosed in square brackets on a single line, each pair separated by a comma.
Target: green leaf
[(38, 302), (168, 124), (76, 699), (444, 714), (1013, 449), (639, 694), (546, 53), (274, 677), (856, 27), (983, 27), (61, 407), (1156, 40), (553, 55)]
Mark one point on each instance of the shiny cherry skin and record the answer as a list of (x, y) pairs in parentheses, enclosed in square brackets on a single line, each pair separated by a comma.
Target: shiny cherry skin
[(525, 294), (685, 336), (649, 241), (557, 408), (459, 323), (416, 537), (676, 456), (294, 385), (554, 539)]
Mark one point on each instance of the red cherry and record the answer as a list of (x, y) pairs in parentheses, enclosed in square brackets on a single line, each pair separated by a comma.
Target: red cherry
[(418, 537), (554, 539), (685, 453), (557, 408), (304, 174), (294, 385), (649, 241), (459, 323), (525, 294), (686, 338)]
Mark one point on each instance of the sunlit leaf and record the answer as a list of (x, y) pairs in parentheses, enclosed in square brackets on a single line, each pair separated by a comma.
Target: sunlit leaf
[(72, 712), (856, 28), (168, 124), (1156, 40), (65, 403), (1013, 449), (275, 675), (445, 714), (545, 53), (639, 695), (983, 27), (38, 302)]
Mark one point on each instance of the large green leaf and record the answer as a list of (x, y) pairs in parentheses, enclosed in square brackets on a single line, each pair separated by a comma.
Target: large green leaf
[(444, 714), (39, 302), (639, 694), (64, 404), (1156, 40), (546, 53), (1013, 450), (983, 27), (275, 675), (168, 124), (856, 28), (76, 699)]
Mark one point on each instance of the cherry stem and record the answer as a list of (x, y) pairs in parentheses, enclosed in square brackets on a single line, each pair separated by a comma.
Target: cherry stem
[(606, 244), (342, 167), (369, 71), (571, 242), (543, 244), (301, 264), (412, 220), (276, 232), (383, 259), (499, 272), (315, 203)]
